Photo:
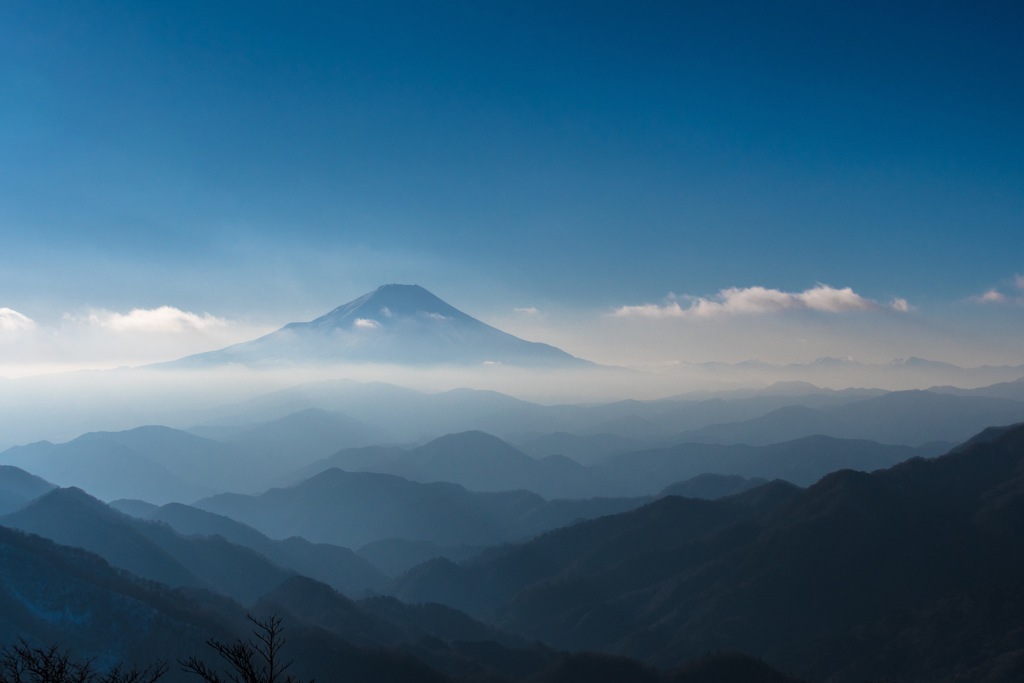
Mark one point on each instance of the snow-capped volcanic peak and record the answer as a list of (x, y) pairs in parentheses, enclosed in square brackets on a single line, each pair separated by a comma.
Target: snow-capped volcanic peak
[(393, 324), (386, 306)]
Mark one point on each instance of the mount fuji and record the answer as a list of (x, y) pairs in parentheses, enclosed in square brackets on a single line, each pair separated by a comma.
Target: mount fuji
[(394, 324)]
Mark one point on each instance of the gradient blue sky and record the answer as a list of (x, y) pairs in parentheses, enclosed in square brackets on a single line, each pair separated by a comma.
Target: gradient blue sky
[(267, 161)]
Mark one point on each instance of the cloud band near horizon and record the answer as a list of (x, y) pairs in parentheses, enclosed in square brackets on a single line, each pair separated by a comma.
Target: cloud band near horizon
[(761, 300)]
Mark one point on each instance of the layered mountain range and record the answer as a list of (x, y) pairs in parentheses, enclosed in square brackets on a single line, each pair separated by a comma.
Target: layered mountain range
[(470, 535), (908, 573)]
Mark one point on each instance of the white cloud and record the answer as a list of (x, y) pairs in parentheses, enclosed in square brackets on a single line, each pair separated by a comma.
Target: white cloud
[(1012, 293), (99, 338), (13, 321), (992, 296), (434, 316), (366, 324), (670, 310), (753, 300), (527, 310), (162, 320), (825, 298), (899, 305), (386, 312)]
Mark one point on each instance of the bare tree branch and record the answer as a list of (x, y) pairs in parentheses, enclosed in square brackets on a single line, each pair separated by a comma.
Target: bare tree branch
[(22, 663), (254, 661)]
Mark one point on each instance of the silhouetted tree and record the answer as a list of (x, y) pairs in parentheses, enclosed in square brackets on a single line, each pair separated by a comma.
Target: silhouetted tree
[(252, 661), (22, 663)]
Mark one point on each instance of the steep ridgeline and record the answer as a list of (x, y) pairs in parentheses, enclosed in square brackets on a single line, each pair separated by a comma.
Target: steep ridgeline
[(711, 486), (55, 594), (305, 435), (482, 462), (356, 508), (147, 549), (18, 488), (910, 418), (913, 573), (1012, 390), (394, 324), (154, 463), (334, 565), (801, 461), (476, 460)]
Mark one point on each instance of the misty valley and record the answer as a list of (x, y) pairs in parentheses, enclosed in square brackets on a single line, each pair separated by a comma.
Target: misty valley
[(784, 532)]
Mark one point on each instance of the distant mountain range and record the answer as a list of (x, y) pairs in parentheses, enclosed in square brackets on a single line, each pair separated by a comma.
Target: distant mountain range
[(629, 448), (474, 459), (588, 432), (153, 463), (482, 462), (394, 324), (902, 373), (353, 509), (900, 417)]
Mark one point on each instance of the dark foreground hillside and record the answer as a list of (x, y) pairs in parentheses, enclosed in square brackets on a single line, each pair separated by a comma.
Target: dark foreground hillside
[(55, 595), (914, 573)]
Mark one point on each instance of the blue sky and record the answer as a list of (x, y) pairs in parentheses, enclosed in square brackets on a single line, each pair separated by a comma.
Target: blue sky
[(258, 162)]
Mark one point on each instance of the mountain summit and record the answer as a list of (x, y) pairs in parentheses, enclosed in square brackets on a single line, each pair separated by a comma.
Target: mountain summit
[(403, 324)]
